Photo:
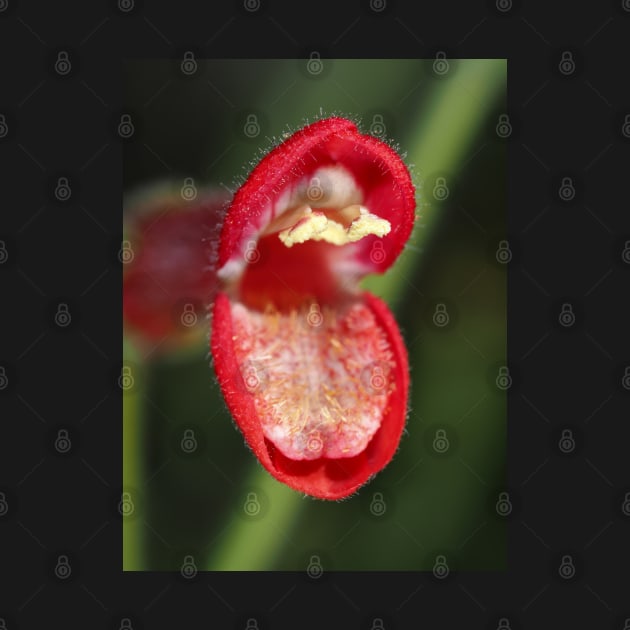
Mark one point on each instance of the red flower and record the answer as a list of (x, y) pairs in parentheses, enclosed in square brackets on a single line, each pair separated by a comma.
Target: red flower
[(167, 278), (314, 370)]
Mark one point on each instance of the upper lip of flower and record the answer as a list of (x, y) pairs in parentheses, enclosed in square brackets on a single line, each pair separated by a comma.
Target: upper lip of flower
[(353, 186)]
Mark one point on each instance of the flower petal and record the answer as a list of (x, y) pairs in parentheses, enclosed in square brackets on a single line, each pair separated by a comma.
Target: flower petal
[(346, 390), (327, 163)]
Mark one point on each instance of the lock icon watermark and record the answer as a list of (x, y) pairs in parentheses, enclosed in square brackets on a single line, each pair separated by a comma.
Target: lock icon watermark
[(440, 64), (504, 5), (625, 128), (4, 128), (567, 63), (315, 569), (253, 375), (504, 127), (251, 5), (315, 190), (566, 192), (504, 624), (441, 443), (189, 191), (125, 624), (314, 65), (378, 506), (63, 192), (126, 380), (625, 254), (125, 253), (378, 5), (566, 318), (503, 253), (377, 253), (188, 443), (63, 319), (63, 570), (315, 317), (440, 567), (377, 128), (62, 64), (625, 379), (440, 315), (440, 189), (125, 126), (503, 380), (377, 624), (251, 624), (503, 506), (4, 254), (189, 64), (625, 505), (251, 255), (188, 569), (566, 443), (188, 317), (375, 377), (251, 128), (126, 5), (315, 443), (63, 444), (252, 506), (125, 505)]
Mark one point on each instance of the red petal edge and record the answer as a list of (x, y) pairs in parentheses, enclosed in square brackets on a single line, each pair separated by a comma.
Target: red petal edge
[(322, 478)]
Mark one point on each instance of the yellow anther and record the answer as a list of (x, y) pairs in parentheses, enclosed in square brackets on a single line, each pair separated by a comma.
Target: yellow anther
[(316, 226)]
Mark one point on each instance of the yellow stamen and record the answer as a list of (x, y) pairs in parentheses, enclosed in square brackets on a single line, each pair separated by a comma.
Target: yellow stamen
[(316, 226)]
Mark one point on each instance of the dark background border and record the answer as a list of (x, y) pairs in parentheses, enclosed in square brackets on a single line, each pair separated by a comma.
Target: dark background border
[(66, 252)]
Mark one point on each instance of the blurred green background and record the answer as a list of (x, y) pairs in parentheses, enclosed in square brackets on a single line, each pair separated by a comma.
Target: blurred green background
[(217, 504)]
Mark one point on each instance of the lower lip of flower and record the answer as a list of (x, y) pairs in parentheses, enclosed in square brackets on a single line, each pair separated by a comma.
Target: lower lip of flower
[(313, 370), (320, 395)]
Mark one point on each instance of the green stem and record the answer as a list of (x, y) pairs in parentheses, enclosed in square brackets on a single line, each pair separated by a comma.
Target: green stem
[(252, 546), (133, 467)]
